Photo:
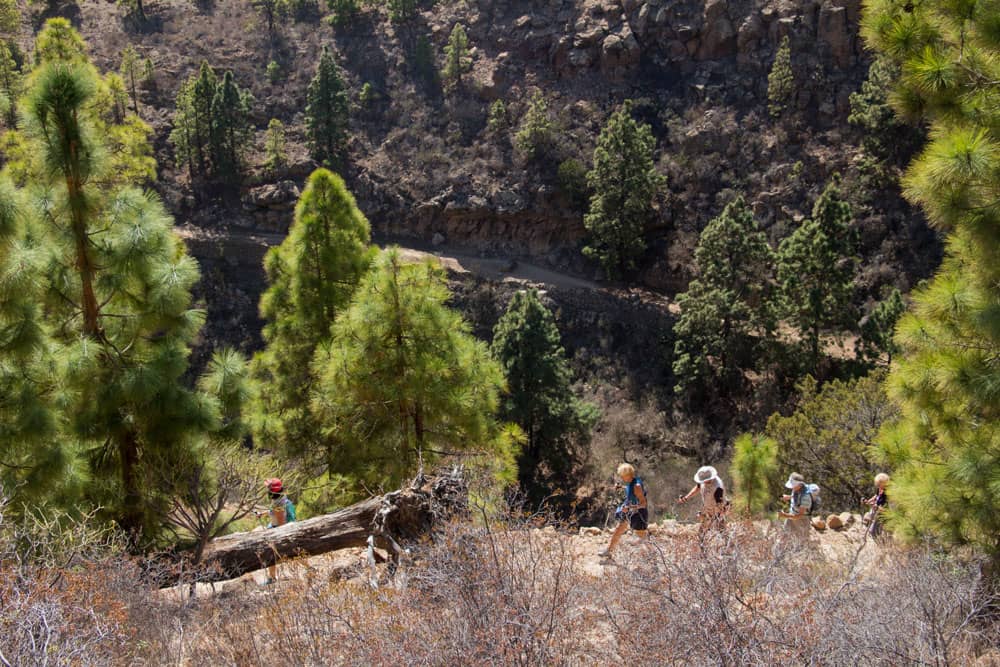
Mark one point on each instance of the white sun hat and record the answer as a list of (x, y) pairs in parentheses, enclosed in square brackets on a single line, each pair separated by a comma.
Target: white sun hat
[(705, 474)]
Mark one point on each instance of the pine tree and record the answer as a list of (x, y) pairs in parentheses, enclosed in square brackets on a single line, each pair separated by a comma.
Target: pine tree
[(10, 84), (755, 462), (115, 291), (780, 81), (402, 10), (131, 71), (727, 309), (192, 133), (274, 144), (457, 60), (10, 18), (403, 382), (878, 328), (38, 465), (535, 137), (625, 183), (312, 276), (946, 445), (540, 399), (271, 11), (830, 435), (816, 270), (326, 111), (231, 131)]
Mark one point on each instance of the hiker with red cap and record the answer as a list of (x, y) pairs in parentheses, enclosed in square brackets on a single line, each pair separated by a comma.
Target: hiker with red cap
[(281, 511)]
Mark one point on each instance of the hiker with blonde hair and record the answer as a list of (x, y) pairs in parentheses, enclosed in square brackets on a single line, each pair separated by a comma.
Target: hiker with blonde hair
[(713, 494), (877, 503), (633, 512)]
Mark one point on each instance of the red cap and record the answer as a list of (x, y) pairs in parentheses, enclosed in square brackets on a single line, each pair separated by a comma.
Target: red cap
[(274, 485)]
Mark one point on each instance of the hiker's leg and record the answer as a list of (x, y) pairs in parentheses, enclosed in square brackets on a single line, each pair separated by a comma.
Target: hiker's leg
[(617, 535)]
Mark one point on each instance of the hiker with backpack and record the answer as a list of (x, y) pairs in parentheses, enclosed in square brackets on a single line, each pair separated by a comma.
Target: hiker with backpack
[(280, 512), (877, 503), (800, 506), (713, 495), (633, 512)]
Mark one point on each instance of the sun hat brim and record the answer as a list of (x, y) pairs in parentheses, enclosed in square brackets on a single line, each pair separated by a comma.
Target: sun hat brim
[(791, 483), (714, 475)]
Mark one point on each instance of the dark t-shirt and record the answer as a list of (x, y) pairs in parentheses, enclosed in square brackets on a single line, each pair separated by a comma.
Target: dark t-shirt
[(881, 499)]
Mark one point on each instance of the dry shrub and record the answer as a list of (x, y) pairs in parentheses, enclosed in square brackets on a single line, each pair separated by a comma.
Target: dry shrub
[(742, 597), (502, 594), (68, 593)]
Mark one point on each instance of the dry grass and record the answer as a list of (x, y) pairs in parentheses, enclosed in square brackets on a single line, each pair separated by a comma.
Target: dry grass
[(504, 591)]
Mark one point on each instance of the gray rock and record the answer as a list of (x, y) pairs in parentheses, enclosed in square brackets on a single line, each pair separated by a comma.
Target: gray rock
[(641, 21), (832, 30), (438, 239)]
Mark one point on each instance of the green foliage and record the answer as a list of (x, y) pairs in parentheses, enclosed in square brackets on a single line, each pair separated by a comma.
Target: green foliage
[(311, 278), (59, 42), (148, 72), (10, 18), (885, 136), (403, 382), (402, 10), (342, 12), (536, 137), (816, 270), (274, 71), (272, 11), (422, 60), (131, 71), (326, 111), (497, 121), (303, 10), (367, 95), (831, 435), (571, 178), (274, 145), (727, 311), (754, 469), (111, 324), (780, 81), (457, 60), (11, 84), (231, 129), (878, 327), (946, 445), (624, 183), (540, 399), (119, 98), (212, 126)]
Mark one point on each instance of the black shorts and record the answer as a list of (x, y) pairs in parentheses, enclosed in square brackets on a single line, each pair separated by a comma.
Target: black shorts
[(638, 519)]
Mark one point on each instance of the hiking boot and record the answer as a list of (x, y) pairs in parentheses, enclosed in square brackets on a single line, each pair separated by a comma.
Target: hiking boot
[(268, 581), (604, 554)]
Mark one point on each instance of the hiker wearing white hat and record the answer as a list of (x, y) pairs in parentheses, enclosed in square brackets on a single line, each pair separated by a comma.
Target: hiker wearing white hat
[(799, 507), (713, 492)]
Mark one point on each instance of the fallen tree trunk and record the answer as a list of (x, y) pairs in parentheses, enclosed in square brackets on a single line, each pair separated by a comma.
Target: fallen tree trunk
[(394, 518)]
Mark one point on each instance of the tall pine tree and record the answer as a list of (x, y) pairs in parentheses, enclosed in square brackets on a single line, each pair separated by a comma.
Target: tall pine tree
[(326, 111), (727, 310), (625, 183), (539, 398), (816, 270), (312, 276), (946, 445), (403, 382), (114, 284)]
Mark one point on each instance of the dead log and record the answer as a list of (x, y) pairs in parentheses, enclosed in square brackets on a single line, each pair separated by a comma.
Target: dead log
[(393, 519)]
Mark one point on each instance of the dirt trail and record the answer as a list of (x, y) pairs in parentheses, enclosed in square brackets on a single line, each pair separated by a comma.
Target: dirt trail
[(452, 259), (845, 550)]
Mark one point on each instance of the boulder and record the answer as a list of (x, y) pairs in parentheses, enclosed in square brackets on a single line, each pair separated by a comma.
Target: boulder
[(620, 50), (834, 522), (818, 524), (718, 37), (276, 196), (848, 519)]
